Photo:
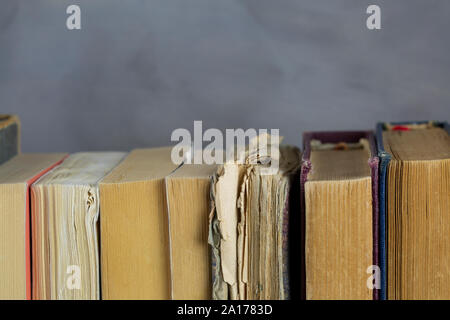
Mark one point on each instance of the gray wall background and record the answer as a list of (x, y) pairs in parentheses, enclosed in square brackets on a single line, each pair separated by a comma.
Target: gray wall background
[(140, 69)]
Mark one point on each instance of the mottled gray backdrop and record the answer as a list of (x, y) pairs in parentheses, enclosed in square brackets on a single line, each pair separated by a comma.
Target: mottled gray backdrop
[(139, 69)]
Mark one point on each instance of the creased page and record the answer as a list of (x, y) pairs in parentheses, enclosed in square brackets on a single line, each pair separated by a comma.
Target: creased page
[(227, 188)]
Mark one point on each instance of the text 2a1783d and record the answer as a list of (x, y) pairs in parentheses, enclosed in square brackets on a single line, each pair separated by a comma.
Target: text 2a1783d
[(248, 309)]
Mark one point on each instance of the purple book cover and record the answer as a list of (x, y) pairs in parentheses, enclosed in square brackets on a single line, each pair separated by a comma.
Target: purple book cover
[(336, 137)]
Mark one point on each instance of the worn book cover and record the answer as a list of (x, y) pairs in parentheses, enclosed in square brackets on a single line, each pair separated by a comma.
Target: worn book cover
[(65, 209), (249, 226)]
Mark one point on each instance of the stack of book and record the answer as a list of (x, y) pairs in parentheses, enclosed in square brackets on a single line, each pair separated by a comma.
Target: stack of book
[(357, 215)]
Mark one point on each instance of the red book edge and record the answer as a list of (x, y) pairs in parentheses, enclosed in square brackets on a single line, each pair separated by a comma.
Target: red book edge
[(27, 225)]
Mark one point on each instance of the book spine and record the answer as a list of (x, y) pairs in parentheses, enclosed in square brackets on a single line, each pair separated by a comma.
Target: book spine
[(383, 165), (306, 167), (385, 158), (285, 249), (374, 163)]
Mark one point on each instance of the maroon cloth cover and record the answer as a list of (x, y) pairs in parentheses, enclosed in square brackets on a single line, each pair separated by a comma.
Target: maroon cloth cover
[(336, 137)]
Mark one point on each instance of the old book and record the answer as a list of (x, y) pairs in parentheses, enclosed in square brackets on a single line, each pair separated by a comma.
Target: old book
[(134, 227), (65, 211), (16, 176), (339, 214), (415, 202), (188, 198), (249, 225), (9, 137)]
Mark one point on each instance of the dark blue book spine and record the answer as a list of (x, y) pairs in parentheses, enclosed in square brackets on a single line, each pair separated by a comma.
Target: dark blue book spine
[(384, 161), (385, 158)]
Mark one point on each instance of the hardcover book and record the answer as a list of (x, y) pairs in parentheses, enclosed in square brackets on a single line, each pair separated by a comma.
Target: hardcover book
[(249, 225), (339, 222), (9, 137), (134, 227), (65, 212), (414, 210), (16, 177), (188, 204)]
